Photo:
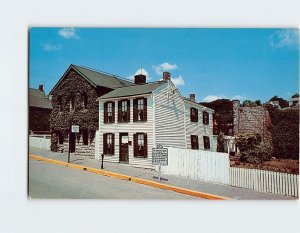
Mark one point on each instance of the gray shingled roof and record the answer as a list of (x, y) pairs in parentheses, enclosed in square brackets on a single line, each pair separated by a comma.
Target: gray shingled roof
[(38, 99), (102, 79), (132, 90)]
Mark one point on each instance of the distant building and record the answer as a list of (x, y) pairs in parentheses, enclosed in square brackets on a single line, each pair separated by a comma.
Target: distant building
[(40, 108), (294, 102), (136, 118)]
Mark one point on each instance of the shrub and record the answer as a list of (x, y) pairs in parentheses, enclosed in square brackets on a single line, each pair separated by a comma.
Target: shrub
[(252, 150), (285, 132)]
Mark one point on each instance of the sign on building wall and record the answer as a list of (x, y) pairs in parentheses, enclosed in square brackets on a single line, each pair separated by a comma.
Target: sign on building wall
[(75, 129)]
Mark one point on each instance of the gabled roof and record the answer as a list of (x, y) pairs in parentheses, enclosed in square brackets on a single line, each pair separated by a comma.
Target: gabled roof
[(133, 90), (192, 102), (96, 78), (38, 99)]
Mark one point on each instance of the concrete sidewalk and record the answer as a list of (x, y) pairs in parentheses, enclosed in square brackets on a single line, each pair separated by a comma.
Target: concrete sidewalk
[(201, 186)]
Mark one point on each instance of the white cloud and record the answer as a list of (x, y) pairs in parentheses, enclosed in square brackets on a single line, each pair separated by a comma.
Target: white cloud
[(164, 67), (68, 33), (285, 37), (140, 71), (178, 81), (210, 98), (49, 47)]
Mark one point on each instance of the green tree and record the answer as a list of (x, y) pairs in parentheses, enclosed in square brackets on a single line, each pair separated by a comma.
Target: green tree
[(296, 95)]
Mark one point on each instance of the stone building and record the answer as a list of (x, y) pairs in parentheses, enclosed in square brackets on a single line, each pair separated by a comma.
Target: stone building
[(40, 108), (74, 103)]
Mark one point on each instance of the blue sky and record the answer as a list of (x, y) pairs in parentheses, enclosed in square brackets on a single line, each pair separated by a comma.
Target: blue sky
[(212, 63)]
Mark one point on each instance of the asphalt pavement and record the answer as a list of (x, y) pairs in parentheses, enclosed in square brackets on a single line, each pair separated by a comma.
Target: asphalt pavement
[(197, 185), (49, 181)]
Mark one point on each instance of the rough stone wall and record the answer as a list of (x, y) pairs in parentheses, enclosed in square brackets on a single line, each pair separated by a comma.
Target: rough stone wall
[(253, 120), (81, 149)]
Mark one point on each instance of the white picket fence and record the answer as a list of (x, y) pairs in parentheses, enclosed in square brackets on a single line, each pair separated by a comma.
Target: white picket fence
[(215, 167), (40, 141), (198, 164), (265, 181)]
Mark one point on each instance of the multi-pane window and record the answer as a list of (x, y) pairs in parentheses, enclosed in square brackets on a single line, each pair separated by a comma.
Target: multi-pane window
[(108, 143), (59, 103), (140, 109), (124, 111), (84, 100), (194, 142), (194, 114), (140, 145), (206, 142), (109, 112), (71, 103), (205, 118)]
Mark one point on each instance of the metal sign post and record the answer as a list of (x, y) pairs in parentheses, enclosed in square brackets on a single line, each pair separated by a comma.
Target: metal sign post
[(160, 158), (73, 129)]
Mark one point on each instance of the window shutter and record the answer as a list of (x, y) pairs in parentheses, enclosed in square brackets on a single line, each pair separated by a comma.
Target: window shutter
[(145, 109), (113, 144), (145, 146), (113, 111), (208, 143), (128, 110), (135, 145), (119, 111), (207, 121), (192, 141), (105, 113), (196, 110), (197, 142), (104, 143), (191, 115), (135, 112)]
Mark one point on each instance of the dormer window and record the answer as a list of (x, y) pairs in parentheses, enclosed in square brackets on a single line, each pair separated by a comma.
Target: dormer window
[(140, 109), (109, 112), (124, 111), (194, 114)]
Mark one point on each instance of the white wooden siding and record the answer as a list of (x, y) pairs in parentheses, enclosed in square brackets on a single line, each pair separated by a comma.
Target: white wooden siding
[(169, 117), (130, 128), (198, 128)]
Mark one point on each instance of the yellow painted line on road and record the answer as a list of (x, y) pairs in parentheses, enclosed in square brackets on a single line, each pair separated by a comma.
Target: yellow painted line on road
[(133, 179)]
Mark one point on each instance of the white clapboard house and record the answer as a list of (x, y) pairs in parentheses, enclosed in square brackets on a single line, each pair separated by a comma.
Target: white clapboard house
[(134, 119)]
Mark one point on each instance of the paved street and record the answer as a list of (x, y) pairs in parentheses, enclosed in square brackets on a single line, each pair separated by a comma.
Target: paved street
[(53, 181), (201, 186)]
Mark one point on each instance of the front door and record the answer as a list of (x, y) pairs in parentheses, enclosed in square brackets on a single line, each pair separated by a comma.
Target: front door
[(123, 142), (72, 142)]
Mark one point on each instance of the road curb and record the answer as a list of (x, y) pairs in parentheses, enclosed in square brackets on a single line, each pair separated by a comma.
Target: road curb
[(132, 179)]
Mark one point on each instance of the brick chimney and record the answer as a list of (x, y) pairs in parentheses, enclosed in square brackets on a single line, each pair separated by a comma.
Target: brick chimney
[(166, 76), (193, 97), (41, 87), (139, 79)]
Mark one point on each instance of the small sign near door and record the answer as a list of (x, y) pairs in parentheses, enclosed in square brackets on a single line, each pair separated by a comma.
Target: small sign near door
[(75, 129)]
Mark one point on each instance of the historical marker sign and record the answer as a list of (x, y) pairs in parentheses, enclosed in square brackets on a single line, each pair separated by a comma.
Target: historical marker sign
[(75, 129), (160, 156)]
